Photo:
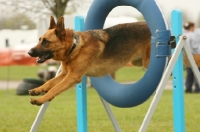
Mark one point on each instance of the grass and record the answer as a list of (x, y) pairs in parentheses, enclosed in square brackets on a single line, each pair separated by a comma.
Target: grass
[(20, 72), (17, 115), (17, 73), (127, 74)]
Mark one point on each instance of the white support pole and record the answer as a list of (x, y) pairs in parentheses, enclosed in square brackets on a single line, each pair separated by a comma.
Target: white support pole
[(161, 86), (42, 110), (111, 115)]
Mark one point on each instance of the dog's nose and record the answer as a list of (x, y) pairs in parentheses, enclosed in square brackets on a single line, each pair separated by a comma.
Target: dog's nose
[(33, 53)]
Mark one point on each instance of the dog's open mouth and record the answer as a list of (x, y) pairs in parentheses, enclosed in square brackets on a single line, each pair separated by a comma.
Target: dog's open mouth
[(45, 56)]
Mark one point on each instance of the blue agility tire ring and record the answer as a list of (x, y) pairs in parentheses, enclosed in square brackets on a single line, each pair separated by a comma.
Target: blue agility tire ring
[(130, 95)]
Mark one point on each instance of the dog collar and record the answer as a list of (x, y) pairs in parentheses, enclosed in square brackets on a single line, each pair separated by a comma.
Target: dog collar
[(73, 47)]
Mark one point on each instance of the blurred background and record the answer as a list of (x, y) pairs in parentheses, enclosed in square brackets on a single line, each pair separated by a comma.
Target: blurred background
[(22, 22)]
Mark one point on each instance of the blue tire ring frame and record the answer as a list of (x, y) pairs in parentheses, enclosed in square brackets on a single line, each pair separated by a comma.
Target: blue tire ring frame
[(130, 95)]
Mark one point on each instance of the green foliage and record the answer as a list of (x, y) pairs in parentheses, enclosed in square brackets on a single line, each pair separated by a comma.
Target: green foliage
[(15, 21), (17, 114), (39, 8), (57, 7)]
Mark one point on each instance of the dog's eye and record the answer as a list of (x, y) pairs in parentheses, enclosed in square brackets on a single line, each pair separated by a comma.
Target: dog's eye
[(45, 42)]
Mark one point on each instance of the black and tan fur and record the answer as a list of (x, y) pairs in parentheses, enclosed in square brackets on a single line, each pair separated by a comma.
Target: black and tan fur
[(97, 53)]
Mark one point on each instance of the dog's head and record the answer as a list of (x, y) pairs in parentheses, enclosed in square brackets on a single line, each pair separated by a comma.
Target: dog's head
[(51, 42)]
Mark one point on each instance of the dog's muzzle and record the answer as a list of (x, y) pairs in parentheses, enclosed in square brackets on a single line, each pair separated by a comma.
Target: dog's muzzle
[(33, 53), (42, 56)]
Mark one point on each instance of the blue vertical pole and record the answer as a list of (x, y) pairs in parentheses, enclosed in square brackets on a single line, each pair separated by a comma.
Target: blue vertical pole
[(177, 74), (81, 92)]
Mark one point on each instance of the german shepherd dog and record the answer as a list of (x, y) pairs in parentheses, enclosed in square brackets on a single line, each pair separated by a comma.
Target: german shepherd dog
[(92, 53)]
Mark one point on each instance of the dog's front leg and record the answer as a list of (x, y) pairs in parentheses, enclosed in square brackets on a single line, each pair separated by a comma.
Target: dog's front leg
[(70, 80), (48, 85)]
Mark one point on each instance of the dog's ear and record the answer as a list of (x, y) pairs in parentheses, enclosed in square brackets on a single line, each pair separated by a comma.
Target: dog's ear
[(52, 23), (60, 28)]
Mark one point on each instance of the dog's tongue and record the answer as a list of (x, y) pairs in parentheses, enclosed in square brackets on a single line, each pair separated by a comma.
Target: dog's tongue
[(41, 59)]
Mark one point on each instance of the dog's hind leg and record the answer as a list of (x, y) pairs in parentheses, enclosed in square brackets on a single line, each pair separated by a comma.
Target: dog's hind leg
[(146, 56), (47, 86)]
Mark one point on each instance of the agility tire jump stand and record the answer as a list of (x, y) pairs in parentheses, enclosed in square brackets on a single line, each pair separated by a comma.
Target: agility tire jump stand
[(156, 77)]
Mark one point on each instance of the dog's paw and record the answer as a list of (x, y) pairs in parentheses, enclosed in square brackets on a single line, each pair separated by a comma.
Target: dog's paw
[(34, 92), (36, 102)]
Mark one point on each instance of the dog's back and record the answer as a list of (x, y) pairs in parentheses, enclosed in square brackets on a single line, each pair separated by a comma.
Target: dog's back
[(123, 43)]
